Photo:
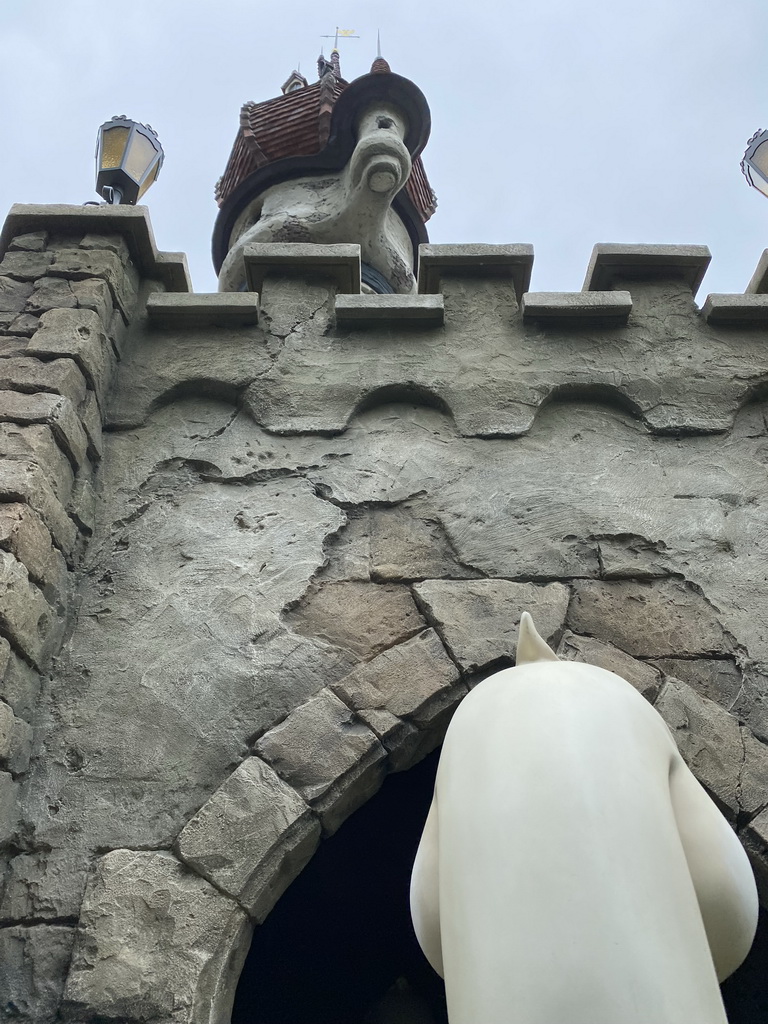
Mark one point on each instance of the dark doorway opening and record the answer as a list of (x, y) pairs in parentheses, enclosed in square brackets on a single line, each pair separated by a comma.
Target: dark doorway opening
[(339, 947)]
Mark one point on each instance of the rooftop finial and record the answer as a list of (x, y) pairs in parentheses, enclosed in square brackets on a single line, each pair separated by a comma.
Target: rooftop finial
[(378, 42)]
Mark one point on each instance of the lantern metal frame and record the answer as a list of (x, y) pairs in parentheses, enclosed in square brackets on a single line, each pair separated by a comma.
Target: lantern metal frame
[(116, 184), (755, 177)]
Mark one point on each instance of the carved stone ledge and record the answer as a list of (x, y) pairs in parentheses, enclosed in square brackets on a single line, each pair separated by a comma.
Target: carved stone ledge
[(399, 310), (132, 222), (216, 309), (748, 310), (605, 309)]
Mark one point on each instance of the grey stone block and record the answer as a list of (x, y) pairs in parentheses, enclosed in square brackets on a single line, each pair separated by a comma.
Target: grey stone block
[(24, 325), (79, 334), (251, 838), (24, 482), (605, 309), (327, 755), (656, 619), (26, 617), (219, 309), (715, 678), (710, 740), (402, 679), (36, 444), (362, 618), (55, 410), (93, 293), (13, 294), (587, 649), (45, 884), (35, 962), (57, 376), (478, 619), (15, 741), (33, 241), (398, 310), (25, 266), (339, 263), (90, 417), (736, 310), (9, 810), (23, 533), (156, 943), (510, 262), (646, 263), (19, 682), (50, 293), (755, 839)]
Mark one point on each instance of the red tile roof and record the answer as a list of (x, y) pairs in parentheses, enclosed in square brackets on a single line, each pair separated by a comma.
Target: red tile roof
[(297, 124)]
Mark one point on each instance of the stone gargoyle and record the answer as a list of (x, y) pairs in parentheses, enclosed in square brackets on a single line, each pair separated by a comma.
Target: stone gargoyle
[(571, 869)]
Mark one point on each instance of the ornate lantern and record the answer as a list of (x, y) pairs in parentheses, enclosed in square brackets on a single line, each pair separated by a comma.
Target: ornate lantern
[(755, 162), (128, 160)]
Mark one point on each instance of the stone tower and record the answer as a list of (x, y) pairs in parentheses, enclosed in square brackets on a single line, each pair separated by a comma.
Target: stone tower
[(256, 545)]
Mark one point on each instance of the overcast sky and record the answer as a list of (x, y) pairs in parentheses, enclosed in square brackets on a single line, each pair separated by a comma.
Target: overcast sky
[(553, 122)]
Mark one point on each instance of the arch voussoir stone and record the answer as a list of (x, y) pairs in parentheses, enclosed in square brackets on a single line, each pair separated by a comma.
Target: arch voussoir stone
[(157, 945), (251, 838)]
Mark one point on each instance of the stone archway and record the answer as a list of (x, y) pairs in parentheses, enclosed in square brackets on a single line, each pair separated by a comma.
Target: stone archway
[(164, 935)]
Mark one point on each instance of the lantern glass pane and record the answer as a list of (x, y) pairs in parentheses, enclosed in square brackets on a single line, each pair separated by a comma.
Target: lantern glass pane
[(759, 159), (113, 146), (140, 156), (150, 179)]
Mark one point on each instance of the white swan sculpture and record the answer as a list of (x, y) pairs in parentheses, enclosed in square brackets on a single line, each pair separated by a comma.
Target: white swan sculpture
[(571, 869)]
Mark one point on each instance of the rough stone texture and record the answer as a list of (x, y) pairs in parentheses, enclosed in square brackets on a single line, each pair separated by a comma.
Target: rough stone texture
[(644, 678), (25, 324), (157, 944), (55, 410), (9, 809), (723, 755), (755, 839), (24, 482), (25, 536), (26, 266), (718, 679), (26, 618), (78, 265), (36, 445), (94, 294), (77, 333), (35, 963), (50, 293), (31, 241), (405, 696), (20, 682), (649, 620), (13, 295), (325, 752), (360, 618), (251, 838), (15, 741), (40, 885), (59, 376), (478, 619)]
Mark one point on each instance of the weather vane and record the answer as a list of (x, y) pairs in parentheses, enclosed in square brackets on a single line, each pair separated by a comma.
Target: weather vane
[(341, 33)]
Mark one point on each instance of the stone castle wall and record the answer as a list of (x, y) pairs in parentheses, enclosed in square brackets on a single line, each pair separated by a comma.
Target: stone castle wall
[(256, 547)]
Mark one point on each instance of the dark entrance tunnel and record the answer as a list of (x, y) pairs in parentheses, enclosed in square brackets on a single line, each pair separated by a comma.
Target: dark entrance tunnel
[(339, 948)]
